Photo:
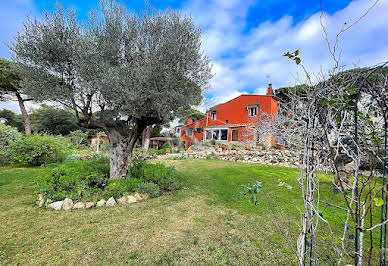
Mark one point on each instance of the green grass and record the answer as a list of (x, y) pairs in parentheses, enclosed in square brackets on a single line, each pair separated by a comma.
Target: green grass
[(208, 222)]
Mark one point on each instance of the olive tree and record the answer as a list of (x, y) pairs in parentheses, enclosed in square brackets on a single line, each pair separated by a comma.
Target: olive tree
[(119, 71), (10, 89)]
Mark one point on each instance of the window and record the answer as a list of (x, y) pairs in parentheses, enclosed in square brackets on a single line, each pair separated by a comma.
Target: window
[(252, 111), (226, 121), (190, 132), (199, 130), (214, 115), (217, 134), (224, 134)]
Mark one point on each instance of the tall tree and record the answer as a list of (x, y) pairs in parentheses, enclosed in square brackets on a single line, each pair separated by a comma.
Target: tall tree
[(185, 113), (10, 89), (13, 119), (55, 121), (121, 72)]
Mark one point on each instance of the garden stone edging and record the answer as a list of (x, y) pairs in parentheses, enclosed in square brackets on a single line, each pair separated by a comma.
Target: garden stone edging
[(68, 205)]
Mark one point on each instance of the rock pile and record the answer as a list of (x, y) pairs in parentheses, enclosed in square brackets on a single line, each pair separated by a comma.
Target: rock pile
[(68, 204), (286, 158)]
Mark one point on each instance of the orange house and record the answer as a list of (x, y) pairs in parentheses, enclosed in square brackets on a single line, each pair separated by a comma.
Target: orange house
[(232, 121)]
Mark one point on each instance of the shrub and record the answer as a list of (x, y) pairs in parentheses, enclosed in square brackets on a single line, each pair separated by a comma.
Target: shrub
[(166, 146), (165, 177), (156, 152), (213, 142), (8, 135), (87, 155), (89, 181), (150, 188), (37, 150), (232, 146), (78, 137), (75, 180), (119, 187)]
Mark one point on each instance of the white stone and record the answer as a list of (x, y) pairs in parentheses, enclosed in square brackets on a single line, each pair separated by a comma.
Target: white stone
[(89, 205), (137, 196), (56, 205), (40, 201), (122, 200), (79, 205), (131, 199), (67, 204), (101, 203), (111, 202)]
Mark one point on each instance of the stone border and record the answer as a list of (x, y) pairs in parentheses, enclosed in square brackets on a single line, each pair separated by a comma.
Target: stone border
[(68, 204)]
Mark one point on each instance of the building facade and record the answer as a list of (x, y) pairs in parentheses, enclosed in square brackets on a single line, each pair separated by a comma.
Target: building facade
[(232, 121)]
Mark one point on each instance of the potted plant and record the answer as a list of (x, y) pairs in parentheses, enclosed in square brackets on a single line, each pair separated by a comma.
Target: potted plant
[(247, 146), (168, 151), (280, 146), (238, 148), (223, 147)]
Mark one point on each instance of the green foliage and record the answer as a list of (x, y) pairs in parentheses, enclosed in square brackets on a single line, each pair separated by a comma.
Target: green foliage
[(293, 56), (78, 137), (252, 190), (89, 180), (378, 202), (156, 152), (37, 150), (213, 142), (165, 177), (155, 132), (232, 146), (166, 146), (75, 180), (54, 121), (9, 79), (185, 113), (119, 187), (87, 154), (13, 120), (150, 188), (8, 135)]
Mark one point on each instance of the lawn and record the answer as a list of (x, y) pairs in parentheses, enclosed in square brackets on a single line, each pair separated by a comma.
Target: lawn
[(207, 222)]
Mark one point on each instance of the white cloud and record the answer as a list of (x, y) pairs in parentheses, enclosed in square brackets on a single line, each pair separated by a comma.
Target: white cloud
[(243, 60)]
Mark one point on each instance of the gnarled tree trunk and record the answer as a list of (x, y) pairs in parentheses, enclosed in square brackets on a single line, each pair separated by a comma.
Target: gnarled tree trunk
[(26, 118), (121, 151)]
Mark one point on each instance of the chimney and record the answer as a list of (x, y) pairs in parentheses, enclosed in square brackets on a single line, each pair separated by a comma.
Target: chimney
[(269, 90)]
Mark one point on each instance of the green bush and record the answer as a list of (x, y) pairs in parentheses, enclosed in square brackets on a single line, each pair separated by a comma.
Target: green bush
[(150, 188), (232, 146), (78, 137), (88, 155), (75, 180), (156, 152), (37, 150), (213, 142), (8, 135), (119, 187), (166, 146), (165, 177), (89, 180)]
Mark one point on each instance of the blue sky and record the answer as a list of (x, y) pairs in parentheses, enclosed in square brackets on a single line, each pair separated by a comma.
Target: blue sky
[(246, 39)]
